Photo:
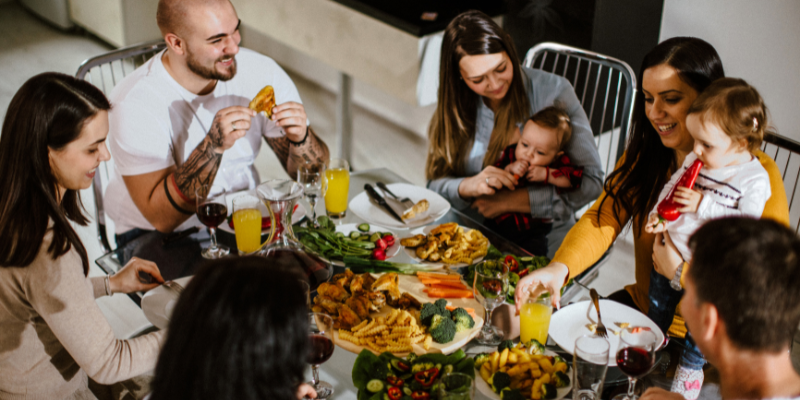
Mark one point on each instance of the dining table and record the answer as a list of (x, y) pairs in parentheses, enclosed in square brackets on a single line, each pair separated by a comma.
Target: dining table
[(181, 260)]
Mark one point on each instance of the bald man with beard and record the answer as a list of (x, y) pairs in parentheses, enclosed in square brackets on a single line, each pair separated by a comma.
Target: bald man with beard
[(181, 121)]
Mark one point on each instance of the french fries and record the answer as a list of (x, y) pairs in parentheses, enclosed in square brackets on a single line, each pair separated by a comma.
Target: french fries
[(449, 244), (394, 333)]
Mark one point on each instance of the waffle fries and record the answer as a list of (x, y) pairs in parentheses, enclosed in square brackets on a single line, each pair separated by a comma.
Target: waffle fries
[(449, 244), (395, 333)]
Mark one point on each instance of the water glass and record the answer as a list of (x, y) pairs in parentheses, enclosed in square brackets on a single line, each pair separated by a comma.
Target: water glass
[(337, 177), (247, 223), (456, 386), (589, 366), (490, 287), (312, 177)]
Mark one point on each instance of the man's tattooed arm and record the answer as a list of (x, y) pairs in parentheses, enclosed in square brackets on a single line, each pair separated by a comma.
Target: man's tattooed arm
[(291, 156), (202, 165)]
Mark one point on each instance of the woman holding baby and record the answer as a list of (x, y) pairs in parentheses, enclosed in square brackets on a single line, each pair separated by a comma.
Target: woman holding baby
[(485, 100)]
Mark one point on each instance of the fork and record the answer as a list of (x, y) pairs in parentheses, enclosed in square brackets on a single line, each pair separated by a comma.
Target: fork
[(601, 329), (408, 203), (174, 286)]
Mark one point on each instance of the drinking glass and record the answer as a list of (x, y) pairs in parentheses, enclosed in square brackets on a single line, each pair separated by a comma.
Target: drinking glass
[(337, 176), (247, 223), (636, 355), (321, 338), (456, 386), (211, 211), (306, 292), (589, 366), (312, 177), (490, 287), (534, 319)]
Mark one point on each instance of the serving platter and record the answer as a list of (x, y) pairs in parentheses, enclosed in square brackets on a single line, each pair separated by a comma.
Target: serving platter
[(411, 285), (487, 391), (411, 251)]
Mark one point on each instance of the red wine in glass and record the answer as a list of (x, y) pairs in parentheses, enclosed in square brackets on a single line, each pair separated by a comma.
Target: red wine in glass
[(321, 349), (212, 214), (634, 361)]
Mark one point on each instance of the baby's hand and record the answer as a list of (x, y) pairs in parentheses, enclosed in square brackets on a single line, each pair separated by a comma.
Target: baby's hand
[(537, 173), (518, 168), (655, 224), (689, 198)]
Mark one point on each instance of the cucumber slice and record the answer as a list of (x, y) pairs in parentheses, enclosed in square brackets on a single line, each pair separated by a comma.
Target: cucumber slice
[(354, 235), (375, 385), (526, 259), (374, 237), (364, 238), (339, 234), (364, 227)]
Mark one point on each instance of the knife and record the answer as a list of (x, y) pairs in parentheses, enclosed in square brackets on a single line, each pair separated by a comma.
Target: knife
[(381, 201)]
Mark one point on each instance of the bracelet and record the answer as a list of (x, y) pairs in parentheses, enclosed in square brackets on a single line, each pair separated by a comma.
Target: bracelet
[(300, 143), (178, 190), (107, 282), (172, 201)]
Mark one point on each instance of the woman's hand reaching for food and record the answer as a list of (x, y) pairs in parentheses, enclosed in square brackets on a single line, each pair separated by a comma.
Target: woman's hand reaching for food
[(127, 279), (666, 257), (548, 279), (486, 182)]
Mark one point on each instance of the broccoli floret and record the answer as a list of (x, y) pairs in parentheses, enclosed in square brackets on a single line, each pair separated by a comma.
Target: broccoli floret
[(560, 379), (559, 359), (431, 309), (505, 344), (462, 319), (423, 366), (411, 357), (534, 347), (500, 381), (480, 359), (548, 391), (512, 394), (441, 303), (442, 329)]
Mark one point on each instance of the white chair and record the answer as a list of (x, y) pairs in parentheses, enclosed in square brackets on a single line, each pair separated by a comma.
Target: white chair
[(606, 88), (105, 71)]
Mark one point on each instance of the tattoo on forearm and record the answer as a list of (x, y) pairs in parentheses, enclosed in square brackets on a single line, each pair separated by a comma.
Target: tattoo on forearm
[(216, 135), (201, 167), (313, 150)]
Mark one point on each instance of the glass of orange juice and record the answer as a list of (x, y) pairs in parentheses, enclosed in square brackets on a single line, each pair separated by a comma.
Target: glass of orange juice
[(337, 177), (534, 319), (247, 223)]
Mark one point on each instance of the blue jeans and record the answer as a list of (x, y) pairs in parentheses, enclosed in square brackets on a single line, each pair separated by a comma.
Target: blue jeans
[(663, 302)]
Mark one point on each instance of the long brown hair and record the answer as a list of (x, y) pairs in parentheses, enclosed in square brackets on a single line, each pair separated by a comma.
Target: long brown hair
[(635, 185), (47, 113), (452, 129)]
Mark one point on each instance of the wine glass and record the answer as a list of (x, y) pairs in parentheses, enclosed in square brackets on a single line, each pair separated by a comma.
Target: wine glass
[(490, 287), (321, 338), (636, 355), (312, 177), (211, 211)]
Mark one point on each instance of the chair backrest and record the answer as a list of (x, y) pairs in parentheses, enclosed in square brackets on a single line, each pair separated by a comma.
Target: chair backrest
[(786, 153), (105, 71), (605, 87)]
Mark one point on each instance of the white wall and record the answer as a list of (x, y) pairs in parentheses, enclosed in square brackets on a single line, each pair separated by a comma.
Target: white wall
[(757, 41)]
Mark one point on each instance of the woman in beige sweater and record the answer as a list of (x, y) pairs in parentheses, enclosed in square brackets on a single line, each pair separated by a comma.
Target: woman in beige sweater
[(52, 334)]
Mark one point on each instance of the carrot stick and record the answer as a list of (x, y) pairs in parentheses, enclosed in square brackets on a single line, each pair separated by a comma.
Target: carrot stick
[(457, 284), (429, 275), (448, 287), (448, 293)]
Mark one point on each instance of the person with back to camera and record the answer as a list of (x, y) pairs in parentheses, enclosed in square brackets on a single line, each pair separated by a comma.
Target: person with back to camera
[(484, 95), (727, 122), (671, 77), (538, 158), (54, 336), (746, 336), (239, 331)]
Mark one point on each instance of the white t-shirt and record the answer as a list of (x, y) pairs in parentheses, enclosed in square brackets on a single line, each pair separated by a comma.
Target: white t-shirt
[(737, 190), (156, 123)]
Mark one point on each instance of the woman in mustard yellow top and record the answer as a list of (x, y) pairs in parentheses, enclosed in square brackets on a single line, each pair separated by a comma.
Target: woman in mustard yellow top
[(671, 77)]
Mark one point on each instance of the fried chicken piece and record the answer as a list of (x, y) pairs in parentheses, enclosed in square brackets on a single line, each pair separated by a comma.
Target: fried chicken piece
[(347, 317), (333, 291), (343, 279), (264, 101), (388, 283), (413, 241), (361, 283), (359, 304), (376, 300), (330, 306), (425, 250), (448, 228), (408, 301)]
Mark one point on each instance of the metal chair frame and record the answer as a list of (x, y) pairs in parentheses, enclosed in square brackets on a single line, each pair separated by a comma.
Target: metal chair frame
[(786, 153), (586, 70), (112, 66)]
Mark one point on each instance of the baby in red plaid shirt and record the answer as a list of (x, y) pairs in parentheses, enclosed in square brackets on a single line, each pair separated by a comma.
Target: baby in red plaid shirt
[(537, 159)]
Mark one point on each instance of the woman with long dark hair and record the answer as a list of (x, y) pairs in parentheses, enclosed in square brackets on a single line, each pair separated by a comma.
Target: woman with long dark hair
[(53, 334), (239, 331), (672, 75), (484, 96)]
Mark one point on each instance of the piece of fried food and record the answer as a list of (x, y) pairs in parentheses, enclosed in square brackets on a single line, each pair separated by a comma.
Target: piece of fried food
[(264, 101), (417, 209), (413, 241)]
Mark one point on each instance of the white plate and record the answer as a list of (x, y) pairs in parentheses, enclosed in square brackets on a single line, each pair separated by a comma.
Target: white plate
[(412, 252), (157, 304), (347, 228), (487, 391), (362, 206), (569, 323), (298, 214)]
